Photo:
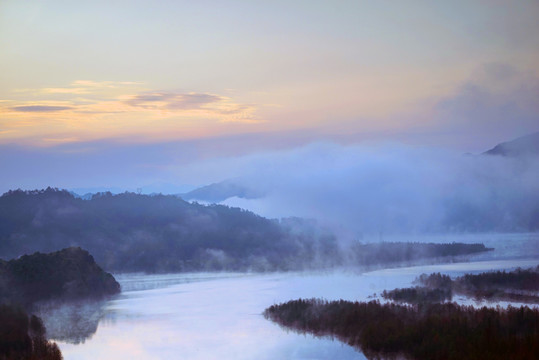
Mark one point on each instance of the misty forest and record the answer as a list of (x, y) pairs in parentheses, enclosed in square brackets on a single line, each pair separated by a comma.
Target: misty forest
[(265, 180)]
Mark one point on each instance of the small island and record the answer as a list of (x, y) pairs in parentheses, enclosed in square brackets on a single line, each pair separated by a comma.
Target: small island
[(520, 285)]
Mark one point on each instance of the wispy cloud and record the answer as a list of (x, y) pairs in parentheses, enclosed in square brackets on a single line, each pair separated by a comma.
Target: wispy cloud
[(66, 90), (40, 108), (206, 104), (104, 84), (80, 87), (174, 101), (91, 110)]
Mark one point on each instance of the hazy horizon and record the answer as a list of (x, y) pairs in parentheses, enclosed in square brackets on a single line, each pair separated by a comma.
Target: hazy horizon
[(124, 95)]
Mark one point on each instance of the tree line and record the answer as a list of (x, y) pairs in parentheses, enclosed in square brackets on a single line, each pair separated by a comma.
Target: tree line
[(519, 285)]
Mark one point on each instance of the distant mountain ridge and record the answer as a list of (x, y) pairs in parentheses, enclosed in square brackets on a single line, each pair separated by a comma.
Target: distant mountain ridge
[(523, 146), (217, 192)]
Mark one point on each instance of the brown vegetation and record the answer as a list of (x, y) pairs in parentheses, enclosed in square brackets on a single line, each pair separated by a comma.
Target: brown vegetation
[(428, 331), (22, 337), (518, 285)]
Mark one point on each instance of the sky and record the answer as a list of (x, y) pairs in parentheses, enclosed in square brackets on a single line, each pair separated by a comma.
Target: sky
[(126, 94)]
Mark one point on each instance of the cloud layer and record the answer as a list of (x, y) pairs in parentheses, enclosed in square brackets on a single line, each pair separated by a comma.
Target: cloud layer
[(393, 188)]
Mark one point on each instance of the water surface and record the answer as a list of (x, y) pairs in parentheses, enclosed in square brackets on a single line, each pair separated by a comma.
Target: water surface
[(218, 316)]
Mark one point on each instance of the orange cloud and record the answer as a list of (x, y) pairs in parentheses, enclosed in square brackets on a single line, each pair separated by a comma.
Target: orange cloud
[(116, 109)]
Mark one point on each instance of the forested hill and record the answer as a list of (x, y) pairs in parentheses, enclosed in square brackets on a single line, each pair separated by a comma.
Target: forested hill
[(132, 232), (163, 233), (69, 274)]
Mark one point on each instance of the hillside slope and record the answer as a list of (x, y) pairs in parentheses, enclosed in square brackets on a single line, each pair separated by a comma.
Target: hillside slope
[(69, 274)]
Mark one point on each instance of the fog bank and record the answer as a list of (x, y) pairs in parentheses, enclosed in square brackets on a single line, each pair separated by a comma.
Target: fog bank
[(389, 188)]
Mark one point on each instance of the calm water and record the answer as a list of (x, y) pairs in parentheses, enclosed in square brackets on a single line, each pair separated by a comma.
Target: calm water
[(218, 316)]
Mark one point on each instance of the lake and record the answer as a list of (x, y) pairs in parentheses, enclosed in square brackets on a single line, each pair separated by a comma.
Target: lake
[(218, 315)]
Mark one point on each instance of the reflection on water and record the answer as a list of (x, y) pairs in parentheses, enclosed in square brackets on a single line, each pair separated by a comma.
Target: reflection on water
[(218, 316), (73, 322), (214, 318)]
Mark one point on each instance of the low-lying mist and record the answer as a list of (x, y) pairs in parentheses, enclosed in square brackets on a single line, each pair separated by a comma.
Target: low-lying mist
[(390, 188)]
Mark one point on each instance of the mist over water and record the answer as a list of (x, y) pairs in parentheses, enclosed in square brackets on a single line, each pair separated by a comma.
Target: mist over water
[(218, 315)]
